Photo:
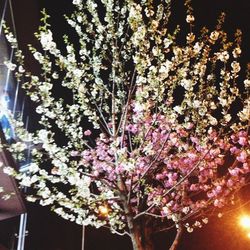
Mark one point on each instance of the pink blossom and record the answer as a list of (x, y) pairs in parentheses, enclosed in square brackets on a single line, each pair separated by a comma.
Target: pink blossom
[(242, 157), (87, 132), (193, 187), (246, 167), (189, 125), (234, 172), (234, 150), (194, 140), (132, 128), (242, 141), (192, 156), (210, 194), (219, 161), (74, 153), (159, 176), (218, 203), (230, 183), (218, 189), (242, 133), (234, 138)]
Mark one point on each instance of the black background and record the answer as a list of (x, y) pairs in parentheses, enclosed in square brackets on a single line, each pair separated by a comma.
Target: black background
[(49, 232)]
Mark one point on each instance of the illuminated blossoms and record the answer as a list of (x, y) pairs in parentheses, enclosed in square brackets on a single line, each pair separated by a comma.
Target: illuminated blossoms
[(152, 137)]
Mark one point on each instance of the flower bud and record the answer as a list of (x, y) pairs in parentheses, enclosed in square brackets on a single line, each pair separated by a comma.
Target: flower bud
[(190, 19), (214, 35)]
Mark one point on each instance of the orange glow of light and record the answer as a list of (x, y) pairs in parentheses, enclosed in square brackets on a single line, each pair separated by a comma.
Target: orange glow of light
[(103, 210), (248, 235), (245, 222)]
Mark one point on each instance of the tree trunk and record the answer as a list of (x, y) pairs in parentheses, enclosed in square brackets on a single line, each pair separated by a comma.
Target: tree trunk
[(140, 231), (177, 239), (141, 237)]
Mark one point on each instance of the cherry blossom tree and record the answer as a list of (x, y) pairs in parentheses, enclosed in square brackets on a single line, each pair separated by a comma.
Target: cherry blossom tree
[(154, 133)]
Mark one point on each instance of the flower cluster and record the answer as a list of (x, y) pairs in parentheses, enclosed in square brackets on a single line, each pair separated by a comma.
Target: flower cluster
[(152, 129)]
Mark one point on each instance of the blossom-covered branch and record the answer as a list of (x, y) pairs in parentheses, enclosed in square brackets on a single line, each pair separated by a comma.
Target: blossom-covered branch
[(153, 127)]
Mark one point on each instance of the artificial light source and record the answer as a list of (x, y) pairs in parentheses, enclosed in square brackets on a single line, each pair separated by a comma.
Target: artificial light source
[(103, 210), (245, 222)]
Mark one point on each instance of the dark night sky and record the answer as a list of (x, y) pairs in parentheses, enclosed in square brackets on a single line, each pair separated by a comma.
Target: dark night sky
[(46, 230)]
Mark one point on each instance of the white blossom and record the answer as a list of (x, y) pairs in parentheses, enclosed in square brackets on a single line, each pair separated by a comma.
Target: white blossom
[(9, 170), (47, 40), (77, 2), (11, 66)]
